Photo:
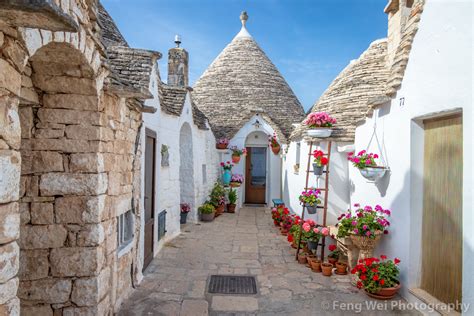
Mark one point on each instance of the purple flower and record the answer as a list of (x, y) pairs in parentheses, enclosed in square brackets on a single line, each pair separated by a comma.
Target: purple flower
[(364, 227), (388, 212), (368, 208), (354, 223), (356, 231), (368, 233), (348, 215)]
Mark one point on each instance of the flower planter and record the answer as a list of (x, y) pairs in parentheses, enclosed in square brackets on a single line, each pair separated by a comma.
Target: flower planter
[(385, 293), (320, 132), (235, 184), (327, 268), (312, 245), (235, 159), (208, 217), (373, 173), (183, 218), (316, 265), (220, 209), (226, 177), (341, 268), (311, 208), (276, 149), (366, 245), (221, 146), (302, 258), (317, 170), (231, 208)]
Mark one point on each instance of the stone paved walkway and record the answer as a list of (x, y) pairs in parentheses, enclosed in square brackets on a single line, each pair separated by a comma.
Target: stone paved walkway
[(243, 244)]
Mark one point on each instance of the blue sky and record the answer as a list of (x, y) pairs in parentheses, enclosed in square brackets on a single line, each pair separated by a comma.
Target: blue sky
[(310, 41)]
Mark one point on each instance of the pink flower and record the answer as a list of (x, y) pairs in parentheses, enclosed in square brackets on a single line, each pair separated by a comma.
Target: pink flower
[(316, 230), (356, 231), (306, 227), (364, 227), (357, 205), (354, 223), (368, 233), (325, 231)]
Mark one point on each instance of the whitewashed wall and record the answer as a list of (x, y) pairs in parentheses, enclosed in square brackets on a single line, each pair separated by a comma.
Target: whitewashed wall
[(273, 161), (167, 197), (294, 182), (438, 78)]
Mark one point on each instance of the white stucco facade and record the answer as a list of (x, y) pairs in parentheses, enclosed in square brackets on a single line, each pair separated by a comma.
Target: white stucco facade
[(203, 161), (437, 81)]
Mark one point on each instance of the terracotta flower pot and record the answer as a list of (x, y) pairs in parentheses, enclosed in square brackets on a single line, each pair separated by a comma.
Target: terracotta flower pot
[(235, 184), (332, 260), (276, 149), (231, 208), (316, 265), (385, 293), (341, 268), (327, 268), (221, 146), (302, 258), (220, 209), (294, 245), (235, 159), (284, 231), (310, 258)]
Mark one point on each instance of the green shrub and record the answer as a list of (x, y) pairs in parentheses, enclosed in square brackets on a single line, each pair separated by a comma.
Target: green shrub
[(206, 208), (232, 196), (217, 194)]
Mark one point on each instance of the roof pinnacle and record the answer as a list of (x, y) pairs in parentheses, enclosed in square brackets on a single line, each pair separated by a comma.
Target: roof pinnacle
[(244, 17)]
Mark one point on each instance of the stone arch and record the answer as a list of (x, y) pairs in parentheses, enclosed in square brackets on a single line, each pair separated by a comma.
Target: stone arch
[(186, 168), (256, 139), (62, 185)]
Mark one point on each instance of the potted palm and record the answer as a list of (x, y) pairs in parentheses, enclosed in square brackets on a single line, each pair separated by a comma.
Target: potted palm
[(237, 153), (364, 227), (319, 162), (310, 199), (378, 277), (274, 144), (207, 212), (222, 143), (232, 196), (185, 209), (367, 165), (319, 124)]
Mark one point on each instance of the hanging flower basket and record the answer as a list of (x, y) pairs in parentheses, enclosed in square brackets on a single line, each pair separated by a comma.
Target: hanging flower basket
[(276, 149), (319, 124), (274, 144), (373, 173), (311, 208), (237, 153), (222, 143), (319, 162), (310, 199)]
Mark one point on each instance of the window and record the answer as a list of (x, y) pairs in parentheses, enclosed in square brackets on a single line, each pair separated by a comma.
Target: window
[(161, 224), (125, 230), (296, 167), (204, 174)]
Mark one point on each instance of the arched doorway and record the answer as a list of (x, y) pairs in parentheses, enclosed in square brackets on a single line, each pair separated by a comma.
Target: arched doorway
[(186, 168), (256, 166)]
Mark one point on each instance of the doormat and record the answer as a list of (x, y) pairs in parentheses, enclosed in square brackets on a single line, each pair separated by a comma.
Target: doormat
[(232, 284)]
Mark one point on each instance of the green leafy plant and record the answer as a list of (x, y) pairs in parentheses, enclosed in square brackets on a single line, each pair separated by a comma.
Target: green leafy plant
[(217, 194), (232, 196), (206, 208), (375, 274)]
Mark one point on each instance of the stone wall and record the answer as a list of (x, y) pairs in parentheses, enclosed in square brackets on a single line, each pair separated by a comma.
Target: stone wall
[(69, 166)]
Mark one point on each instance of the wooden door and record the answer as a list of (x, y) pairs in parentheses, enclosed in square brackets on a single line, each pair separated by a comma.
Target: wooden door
[(442, 209), (150, 162), (256, 175)]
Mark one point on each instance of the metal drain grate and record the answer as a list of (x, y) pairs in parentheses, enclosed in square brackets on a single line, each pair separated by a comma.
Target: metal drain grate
[(232, 284)]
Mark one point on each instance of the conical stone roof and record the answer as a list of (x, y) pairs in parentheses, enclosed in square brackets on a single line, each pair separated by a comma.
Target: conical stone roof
[(241, 82)]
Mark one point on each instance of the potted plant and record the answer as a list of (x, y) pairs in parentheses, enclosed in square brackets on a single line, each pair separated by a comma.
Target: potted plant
[(327, 267), (277, 215), (315, 265), (227, 172), (295, 232), (319, 162), (286, 221), (274, 144), (367, 165), (207, 212), (319, 124), (302, 257), (312, 233), (364, 226), (237, 153), (185, 209), (341, 268), (222, 143), (378, 277), (217, 198), (334, 255), (232, 196), (236, 180), (310, 199)]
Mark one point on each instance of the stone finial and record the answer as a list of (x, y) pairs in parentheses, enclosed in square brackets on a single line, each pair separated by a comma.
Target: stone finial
[(244, 17)]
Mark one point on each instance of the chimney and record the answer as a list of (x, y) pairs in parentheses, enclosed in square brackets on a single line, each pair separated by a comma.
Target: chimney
[(178, 65), (398, 12)]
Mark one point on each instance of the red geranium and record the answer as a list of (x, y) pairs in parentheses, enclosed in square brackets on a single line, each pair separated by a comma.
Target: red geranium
[(375, 274), (332, 247)]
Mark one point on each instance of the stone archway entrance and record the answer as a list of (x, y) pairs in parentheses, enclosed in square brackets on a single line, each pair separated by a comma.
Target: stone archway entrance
[(61, 184), (186, 168)]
